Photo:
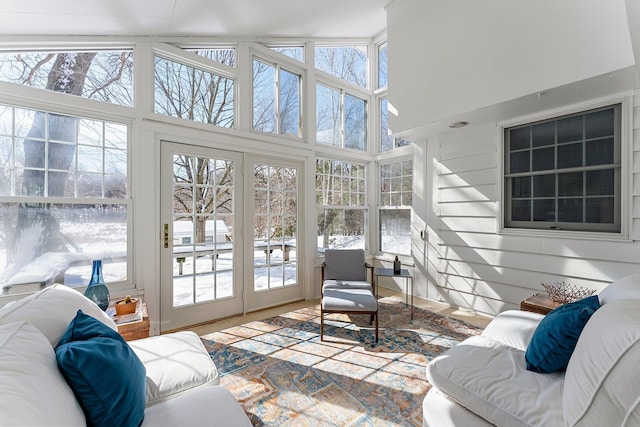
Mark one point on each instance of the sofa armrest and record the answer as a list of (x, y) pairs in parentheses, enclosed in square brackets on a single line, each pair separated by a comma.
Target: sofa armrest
[(513, 328)]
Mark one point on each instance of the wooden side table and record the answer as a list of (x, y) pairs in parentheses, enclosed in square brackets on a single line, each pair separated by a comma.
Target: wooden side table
[(136, 330), (539, 303)]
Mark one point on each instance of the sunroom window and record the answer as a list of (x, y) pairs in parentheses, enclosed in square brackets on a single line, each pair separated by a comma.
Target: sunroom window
[(101, 75), (223, 55), (396, 195), (63, 199), (388, 142), (276, 100), (341, 119), (293, 52), (382, 65), (565, 173), (341, 201), (186, 92), (346, 62)]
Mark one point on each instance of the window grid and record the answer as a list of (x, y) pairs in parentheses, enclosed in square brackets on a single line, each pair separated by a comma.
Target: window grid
[(396, 188), (564, 173), (97, 153), (63, 185), (394, 212), (342, 205)]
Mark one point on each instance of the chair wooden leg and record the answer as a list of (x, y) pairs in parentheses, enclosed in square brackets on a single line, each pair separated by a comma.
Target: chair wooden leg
[(321, 325), (376, 326)]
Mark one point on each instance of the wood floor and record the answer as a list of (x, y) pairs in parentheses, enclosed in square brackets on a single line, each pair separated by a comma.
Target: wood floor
[(219, 325)]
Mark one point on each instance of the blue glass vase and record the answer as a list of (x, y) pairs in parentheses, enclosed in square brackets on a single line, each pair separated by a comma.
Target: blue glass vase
[(97, 291)]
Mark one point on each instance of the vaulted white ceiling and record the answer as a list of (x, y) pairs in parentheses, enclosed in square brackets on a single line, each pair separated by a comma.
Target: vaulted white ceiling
[(233, 18)]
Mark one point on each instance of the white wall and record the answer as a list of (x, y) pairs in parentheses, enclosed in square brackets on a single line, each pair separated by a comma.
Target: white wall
[(485, 62), (458, 56), (479, 267)]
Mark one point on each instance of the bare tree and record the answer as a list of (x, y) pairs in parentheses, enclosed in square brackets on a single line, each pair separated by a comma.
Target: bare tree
[(67, 75), (203, 186)]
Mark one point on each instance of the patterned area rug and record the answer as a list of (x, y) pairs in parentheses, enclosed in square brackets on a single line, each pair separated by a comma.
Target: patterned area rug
[(283, 375)]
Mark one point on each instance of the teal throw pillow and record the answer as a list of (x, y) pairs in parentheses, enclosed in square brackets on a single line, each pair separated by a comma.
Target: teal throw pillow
[(106, 376), (557, 334)]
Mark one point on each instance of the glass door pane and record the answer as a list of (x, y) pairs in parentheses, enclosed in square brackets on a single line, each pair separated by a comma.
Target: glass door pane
[(202, 260)]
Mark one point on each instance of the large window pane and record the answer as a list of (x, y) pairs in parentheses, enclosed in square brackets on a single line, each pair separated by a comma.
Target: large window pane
[(45, 155), (395, 231), (188, 93), (341, 200), (329, 121), (382, 65), (264, 97), (346, 62), (341, 228), (355, 129), (387, 142), (83, 233), (102, 75), (276, 100), (289, 103), (396, 190)]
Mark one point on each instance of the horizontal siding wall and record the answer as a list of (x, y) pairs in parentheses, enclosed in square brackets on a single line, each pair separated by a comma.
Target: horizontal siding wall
[(479, 268)]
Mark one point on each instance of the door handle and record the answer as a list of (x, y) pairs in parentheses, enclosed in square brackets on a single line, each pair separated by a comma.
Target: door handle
[(166, 236)]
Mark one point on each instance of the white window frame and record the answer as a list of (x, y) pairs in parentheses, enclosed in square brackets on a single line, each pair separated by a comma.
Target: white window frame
[(90, 114), (301, 98), (381, 206), (626, 133), (363, 207), (190, 59)]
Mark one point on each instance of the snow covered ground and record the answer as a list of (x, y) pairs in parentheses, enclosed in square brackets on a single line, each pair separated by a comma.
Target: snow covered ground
[(202, 279)]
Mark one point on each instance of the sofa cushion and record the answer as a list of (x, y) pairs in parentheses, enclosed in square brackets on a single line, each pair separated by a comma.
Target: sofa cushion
[(513, 327), (203, 406), (602, 382), (52, 309), (175, 363), (624, 288), (32, 389), (556, 336), (106, 376), (490, 379)]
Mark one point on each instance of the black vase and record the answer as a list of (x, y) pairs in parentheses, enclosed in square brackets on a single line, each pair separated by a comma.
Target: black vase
[(97, 291), (397, 267)]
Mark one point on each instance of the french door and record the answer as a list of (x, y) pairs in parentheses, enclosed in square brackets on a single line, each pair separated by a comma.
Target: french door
[(202, 251), (273, 244)]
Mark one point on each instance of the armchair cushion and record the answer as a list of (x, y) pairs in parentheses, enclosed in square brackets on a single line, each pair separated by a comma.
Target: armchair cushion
[(343, 284), (345, 264)]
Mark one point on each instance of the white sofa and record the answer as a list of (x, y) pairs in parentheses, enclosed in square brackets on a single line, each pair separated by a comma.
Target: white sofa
[(483, 381), (182, 382)]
